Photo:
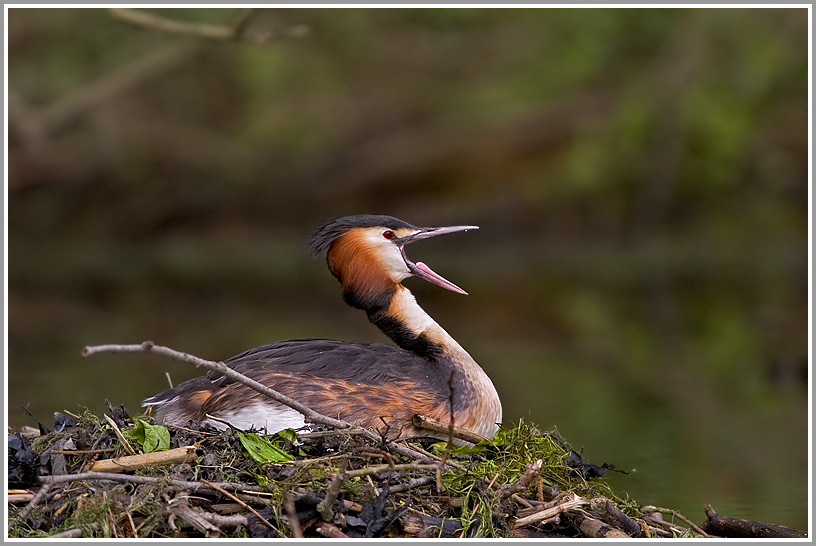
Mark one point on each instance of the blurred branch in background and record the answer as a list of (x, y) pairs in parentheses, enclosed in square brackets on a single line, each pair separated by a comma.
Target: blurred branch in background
[(40, 128), (235, 32), (49, 119)]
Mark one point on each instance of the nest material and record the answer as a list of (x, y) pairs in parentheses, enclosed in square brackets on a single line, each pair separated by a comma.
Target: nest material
[(524, 483)]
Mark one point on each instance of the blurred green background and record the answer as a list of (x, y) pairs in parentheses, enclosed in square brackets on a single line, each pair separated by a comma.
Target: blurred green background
[(640, 177)]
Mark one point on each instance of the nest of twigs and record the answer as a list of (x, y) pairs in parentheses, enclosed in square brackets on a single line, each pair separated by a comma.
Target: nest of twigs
[(123, 477)]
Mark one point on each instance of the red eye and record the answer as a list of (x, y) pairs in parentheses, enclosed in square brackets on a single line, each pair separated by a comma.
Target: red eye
[(388, 234)]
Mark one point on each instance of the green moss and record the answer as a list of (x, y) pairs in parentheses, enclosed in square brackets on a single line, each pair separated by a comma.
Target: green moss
[(94, 514)]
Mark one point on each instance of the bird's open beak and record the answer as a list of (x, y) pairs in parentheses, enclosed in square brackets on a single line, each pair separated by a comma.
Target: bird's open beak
[(420, 269)]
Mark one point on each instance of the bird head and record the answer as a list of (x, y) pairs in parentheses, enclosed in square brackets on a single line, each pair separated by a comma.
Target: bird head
[(367, 252)]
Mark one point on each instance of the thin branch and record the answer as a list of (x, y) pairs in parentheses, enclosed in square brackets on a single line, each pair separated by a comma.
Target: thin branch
[(82, 451), (415, 482), (427, 423), (380, 469), (522, 481), (571, 501), (324, 507), (223, 521), (330, 530), (122, 439), (193, 517), (242, 503), (696, 528), (50, 481), (329, 433), (291, 514), (220, 367), (76, 532), (152, 21), (234, 32), (521, 500), (34, 502)]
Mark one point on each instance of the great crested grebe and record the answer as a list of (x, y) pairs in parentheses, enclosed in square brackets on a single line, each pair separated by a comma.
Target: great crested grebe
[(378, 386)]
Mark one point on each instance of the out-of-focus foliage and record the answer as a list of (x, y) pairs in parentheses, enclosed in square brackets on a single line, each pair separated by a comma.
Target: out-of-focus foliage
[(639, 175)]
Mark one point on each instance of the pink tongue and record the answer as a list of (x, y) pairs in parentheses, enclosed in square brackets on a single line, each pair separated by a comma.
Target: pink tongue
[(438, 279)]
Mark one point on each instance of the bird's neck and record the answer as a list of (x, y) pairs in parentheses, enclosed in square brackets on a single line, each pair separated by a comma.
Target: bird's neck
[(402, 319), (475, 399)]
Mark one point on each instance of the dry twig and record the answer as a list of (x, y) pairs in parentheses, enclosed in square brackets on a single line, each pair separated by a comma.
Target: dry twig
[(242, 503), (122, 439), (324, 507), (291, 515), (569, 502), (521, 483), (696, 528), (330, 530), (427, 423), (135, 462), (220, 367)]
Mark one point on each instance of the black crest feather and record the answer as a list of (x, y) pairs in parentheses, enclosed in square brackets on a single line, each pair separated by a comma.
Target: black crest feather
[(326, 234)]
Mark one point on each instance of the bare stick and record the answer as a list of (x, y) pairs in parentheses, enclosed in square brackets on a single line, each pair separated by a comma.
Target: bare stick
[(412, 483), (135, 462), (329, 433), (242, 503), (521, 483), (381, 469), (82, 451), (75, 532), (221, 520), (193, 517), (611, 514), (696, 528), (742, 528), (50, 481), (324, 508), (330, 530), (666, 526), (122, 439), (220, 367), (570, 502), (14, 498), (427, 423), (34, 502), (595, 528), (291, 514), (521, 500)]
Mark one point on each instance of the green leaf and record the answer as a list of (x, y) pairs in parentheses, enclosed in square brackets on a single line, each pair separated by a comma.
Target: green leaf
[(150, 437), (262, 450), (288, 434)]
